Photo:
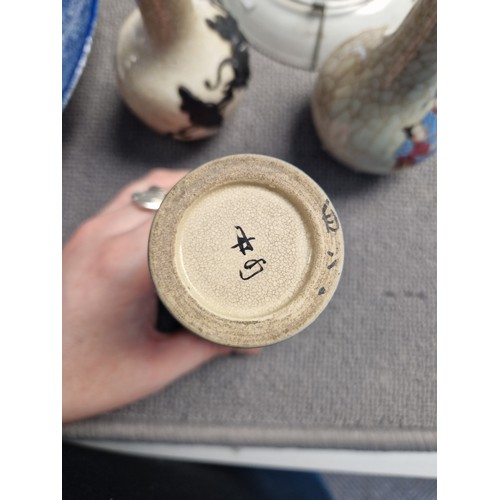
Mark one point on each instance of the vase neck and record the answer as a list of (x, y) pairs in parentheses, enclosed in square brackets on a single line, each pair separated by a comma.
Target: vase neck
[(413, 46), (166, 20)]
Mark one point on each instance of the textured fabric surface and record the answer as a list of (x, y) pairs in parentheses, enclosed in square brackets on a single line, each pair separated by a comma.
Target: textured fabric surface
[(364, 374), (346, 487)]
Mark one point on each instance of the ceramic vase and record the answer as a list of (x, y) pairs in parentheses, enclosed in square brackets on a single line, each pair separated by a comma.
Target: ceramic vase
[(182, 66), (246, 250), (303, 33), (374, 103)]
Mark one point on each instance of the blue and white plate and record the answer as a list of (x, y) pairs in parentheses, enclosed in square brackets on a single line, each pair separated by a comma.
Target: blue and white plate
[(78, 22)]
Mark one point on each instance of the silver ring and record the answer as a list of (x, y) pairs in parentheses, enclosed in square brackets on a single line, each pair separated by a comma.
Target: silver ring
[(150, 199)]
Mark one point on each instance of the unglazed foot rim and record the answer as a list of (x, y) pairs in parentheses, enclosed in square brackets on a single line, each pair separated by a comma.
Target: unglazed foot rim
[(246, 251)]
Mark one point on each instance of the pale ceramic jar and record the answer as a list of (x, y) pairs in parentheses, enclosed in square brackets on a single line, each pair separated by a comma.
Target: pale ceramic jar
[(182, 66), (303, 33), (374, 104), (246, 250)]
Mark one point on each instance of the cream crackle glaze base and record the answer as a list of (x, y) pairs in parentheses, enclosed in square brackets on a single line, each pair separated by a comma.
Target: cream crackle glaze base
[(374, 104), (246, 250), (182, 65)]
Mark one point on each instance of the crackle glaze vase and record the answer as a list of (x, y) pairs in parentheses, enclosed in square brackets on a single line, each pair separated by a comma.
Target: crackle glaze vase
[(182, 66), (246, 250), (374, 103)]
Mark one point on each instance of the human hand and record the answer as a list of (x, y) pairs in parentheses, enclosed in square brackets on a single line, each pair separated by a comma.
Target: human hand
[(112, 353)]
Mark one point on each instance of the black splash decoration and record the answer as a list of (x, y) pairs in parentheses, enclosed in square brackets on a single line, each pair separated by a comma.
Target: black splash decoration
[(209, 114), (228, 30), (202, 114)]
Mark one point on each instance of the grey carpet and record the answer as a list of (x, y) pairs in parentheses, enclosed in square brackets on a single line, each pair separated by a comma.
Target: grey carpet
[(346, 487), (364, 374)]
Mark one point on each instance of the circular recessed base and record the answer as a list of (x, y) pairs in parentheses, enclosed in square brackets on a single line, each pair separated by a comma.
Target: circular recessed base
[(246, 250)]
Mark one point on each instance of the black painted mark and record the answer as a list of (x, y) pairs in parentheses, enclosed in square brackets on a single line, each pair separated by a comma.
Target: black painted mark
[(227, 28), (334, 261), (249, 264), (243, 242), (202, 114), (321, 291), (209, 114), (330, 219)]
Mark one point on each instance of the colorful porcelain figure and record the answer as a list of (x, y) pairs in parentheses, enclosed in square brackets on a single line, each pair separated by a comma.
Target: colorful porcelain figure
[(374, 105), (182, 66)]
